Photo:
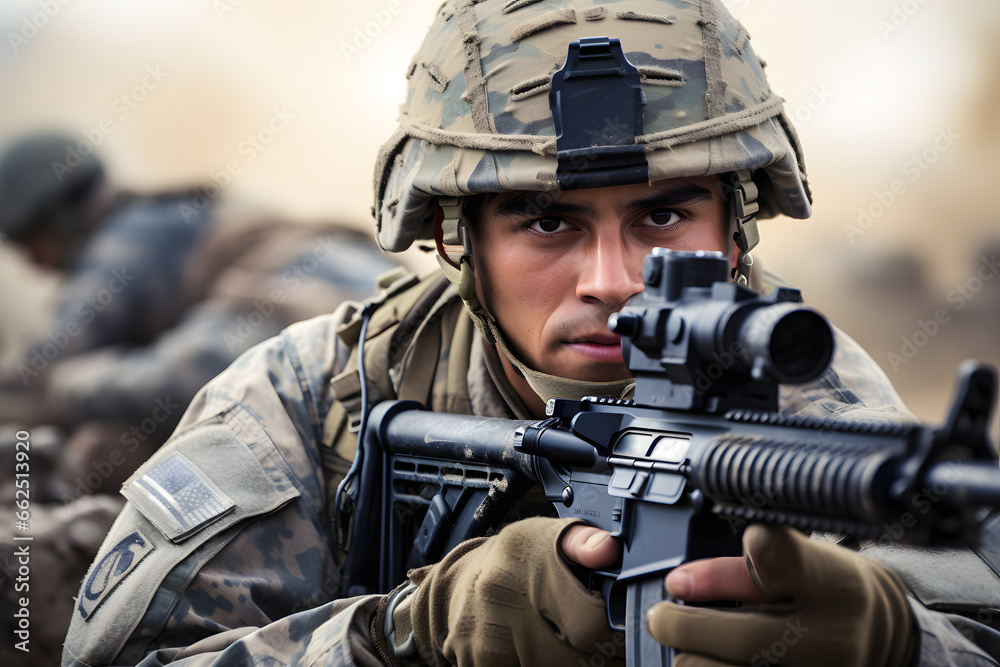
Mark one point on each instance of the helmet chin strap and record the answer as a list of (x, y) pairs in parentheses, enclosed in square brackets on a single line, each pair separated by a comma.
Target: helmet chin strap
[(458, 267), (552, 386), (744, 207)]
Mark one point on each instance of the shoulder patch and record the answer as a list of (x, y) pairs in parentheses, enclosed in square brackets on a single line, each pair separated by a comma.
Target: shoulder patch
[(112, 568), (242, 468), (177, 497)]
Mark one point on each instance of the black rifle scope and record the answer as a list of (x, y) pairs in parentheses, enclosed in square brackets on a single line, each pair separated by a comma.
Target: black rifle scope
[(701, 341)]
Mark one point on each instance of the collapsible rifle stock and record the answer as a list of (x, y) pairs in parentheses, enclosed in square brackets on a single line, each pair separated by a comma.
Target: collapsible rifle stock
[(680, 471)]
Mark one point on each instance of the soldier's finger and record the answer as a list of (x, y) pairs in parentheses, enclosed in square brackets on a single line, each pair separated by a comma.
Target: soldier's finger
[(735, 636), (788, 563), (589, 546), (696, 660), (725, 578)]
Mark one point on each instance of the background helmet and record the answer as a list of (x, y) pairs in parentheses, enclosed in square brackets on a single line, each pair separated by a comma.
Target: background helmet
[(36, 179), (477, 118)]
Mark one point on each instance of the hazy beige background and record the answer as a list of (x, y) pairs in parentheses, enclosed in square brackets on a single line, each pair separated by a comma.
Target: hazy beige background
[(871, 83)]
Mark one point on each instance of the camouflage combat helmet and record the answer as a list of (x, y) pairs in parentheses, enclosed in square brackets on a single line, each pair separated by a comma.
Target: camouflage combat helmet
[(477, 117), (35, 180), (483, 112)]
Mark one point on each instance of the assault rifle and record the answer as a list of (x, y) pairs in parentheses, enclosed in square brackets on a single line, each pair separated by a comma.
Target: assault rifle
[(677, 473)]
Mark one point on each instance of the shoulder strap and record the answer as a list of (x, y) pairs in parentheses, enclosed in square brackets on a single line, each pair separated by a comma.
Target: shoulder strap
[(408, 334)]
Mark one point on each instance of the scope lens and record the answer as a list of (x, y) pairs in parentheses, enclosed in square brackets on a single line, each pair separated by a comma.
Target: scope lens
[(801, 346)]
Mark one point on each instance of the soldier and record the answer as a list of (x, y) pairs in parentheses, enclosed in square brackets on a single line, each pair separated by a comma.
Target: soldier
[(161, 292), (540, 239)]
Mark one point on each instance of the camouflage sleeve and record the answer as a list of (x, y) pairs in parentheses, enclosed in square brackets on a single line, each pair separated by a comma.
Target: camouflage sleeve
[(951, 639), (954, 594), (226, 538), (854, 388), (338, 636)]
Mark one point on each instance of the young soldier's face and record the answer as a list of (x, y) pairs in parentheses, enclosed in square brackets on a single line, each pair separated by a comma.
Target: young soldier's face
[(551, 267)]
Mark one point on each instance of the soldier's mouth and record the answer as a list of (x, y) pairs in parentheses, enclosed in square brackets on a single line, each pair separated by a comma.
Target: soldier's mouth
[(602, 348)]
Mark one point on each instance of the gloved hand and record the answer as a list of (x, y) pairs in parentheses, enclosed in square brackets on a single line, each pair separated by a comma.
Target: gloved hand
[(510, 599), (836, 608)]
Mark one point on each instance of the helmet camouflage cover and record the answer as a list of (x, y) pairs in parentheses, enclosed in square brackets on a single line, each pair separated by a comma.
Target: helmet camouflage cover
[(477, 118)]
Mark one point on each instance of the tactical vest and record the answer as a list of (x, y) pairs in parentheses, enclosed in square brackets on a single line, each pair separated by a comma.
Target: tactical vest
[(417, 347)]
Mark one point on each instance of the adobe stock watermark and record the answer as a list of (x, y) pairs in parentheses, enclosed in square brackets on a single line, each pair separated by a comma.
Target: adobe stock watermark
[(983, 617), (721, 362), (899, 16), (248, 150), (913, 169), (39, 357), (817, 99), (22, 515), (32, 24), (330, 590), (776, 651), (365, 33), (325, 249), (776, 486), (122, 107), (613, 131), (928, 328), (921, 501), (602, 652), (225, 7)]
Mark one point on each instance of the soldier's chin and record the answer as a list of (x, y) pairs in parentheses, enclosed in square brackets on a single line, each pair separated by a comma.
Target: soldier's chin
[(598, 372)]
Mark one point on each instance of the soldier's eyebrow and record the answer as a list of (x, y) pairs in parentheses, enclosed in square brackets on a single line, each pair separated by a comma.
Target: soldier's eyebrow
[(538, 204), (668, 196), (542, 204)]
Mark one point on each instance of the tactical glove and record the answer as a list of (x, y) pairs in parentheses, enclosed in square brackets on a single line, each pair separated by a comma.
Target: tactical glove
[(840, 609), (510, 599)]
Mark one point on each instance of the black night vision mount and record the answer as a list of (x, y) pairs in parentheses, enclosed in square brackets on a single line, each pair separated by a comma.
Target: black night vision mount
[(597, 104)]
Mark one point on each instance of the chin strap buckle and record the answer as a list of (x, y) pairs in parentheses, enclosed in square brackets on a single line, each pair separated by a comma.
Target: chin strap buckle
[(458, 266), (744, 210), (455, 231), (457, 246)]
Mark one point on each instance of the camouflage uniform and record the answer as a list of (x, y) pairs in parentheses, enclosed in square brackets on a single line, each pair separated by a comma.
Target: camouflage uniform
[(262, 579), (254, 576)]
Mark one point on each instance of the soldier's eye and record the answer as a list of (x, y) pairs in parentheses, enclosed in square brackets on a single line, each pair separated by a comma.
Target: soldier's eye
[(663, 218), (549, 225)]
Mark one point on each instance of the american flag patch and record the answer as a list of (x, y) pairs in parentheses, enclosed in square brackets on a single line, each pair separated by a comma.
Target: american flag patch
[(178, 497)]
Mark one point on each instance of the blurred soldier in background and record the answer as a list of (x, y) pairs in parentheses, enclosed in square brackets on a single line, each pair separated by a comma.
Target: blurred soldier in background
[(159, 294)]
